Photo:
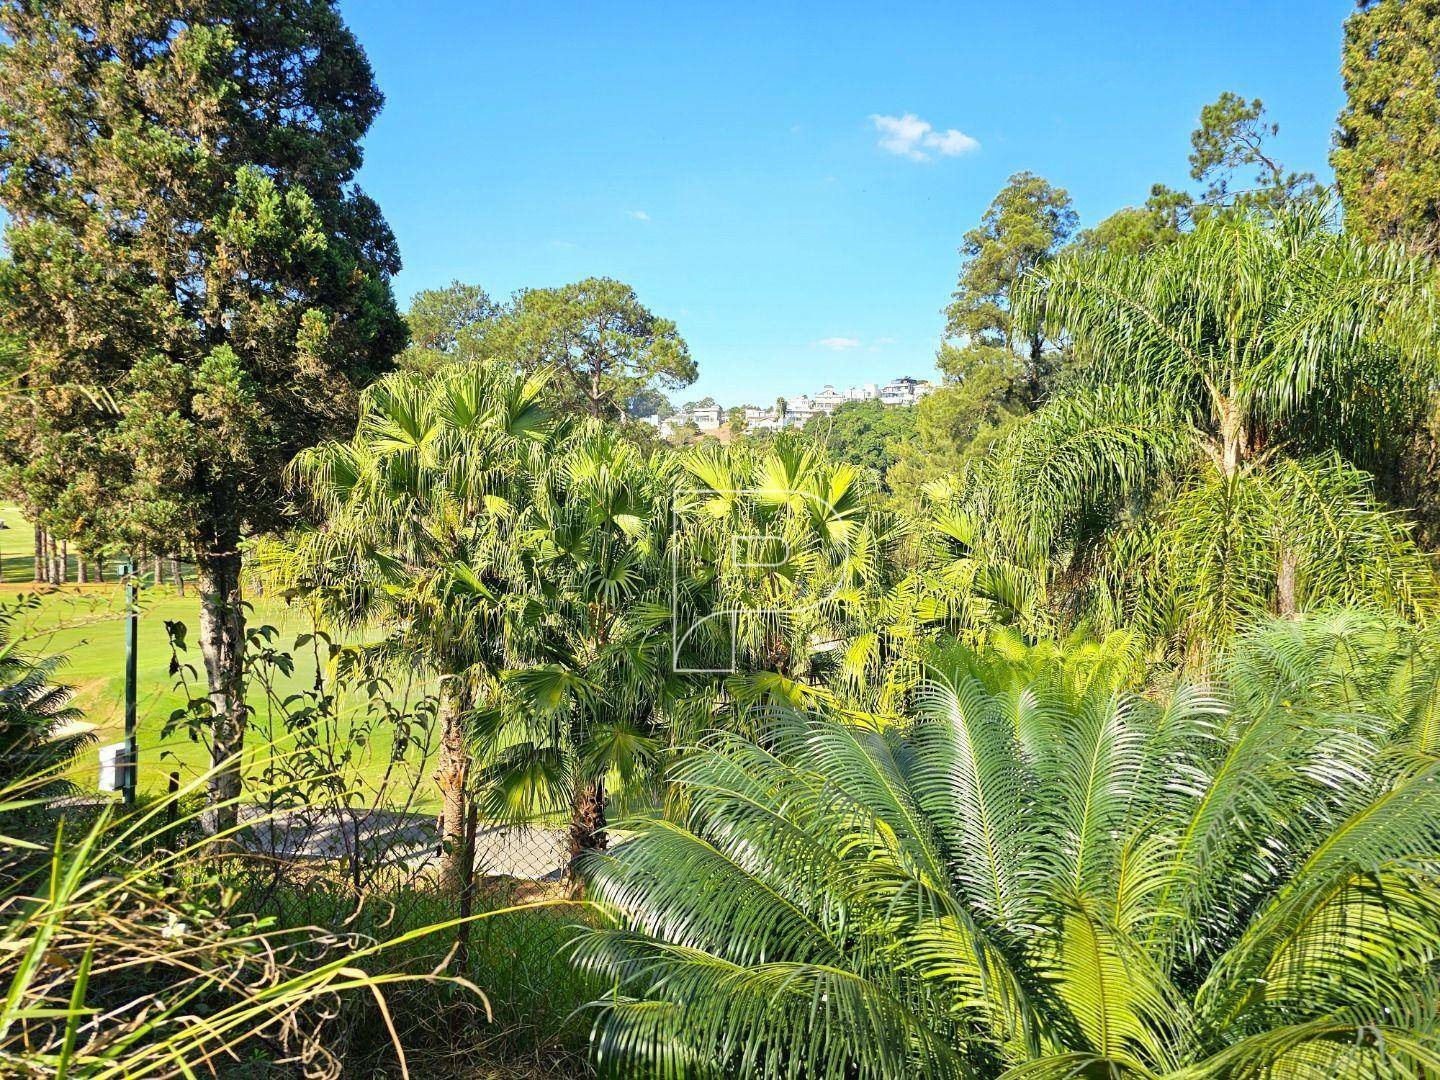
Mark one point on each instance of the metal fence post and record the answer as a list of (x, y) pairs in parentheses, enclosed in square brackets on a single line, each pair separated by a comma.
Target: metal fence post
[(132, 627)]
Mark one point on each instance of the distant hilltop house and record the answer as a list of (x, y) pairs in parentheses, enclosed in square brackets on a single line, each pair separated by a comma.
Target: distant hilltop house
[(905, 391), (704, 417), (709, 418)]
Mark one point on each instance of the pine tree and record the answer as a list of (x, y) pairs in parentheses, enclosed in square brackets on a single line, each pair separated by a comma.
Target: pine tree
[(1387, 152), (200, 284)]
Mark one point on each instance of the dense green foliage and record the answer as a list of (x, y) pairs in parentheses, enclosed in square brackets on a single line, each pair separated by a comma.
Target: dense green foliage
[(604, 346), (1025, 226), (1205, 466), (37, 736), (606, 353), (994, 369), (1387, 151), (1081, 720), (864, 433), (182, 340), (983, 396), (1044, 871), (448, 324)]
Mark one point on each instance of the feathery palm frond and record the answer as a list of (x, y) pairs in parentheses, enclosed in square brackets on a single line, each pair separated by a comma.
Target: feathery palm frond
[(1047, 873), (1205, 468)]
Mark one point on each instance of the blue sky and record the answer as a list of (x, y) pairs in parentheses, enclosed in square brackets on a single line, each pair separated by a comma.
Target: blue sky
[(724, 159)]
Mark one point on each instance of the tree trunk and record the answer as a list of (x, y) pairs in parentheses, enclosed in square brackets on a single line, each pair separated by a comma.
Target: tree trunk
[(176, 576), (452, 774), (158, 567), (587, 824), (100, 568), (1233, 448), (222, 644), (1286, 603), (82, 577), (39, 555), (467, 893), (64, 574)]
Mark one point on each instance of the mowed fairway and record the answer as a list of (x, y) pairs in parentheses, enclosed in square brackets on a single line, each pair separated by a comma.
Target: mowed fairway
[(87, 625)]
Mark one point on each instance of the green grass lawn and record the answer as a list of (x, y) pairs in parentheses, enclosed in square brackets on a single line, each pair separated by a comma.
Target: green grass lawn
[(87, 625)]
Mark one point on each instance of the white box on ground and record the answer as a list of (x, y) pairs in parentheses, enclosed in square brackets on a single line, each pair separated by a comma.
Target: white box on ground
[(112, 767)]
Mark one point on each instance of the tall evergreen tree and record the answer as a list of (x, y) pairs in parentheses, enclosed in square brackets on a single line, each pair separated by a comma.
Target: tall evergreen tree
[(1028, 223), (186, 236), (1387, 151), (1234, 136), (447, 325)]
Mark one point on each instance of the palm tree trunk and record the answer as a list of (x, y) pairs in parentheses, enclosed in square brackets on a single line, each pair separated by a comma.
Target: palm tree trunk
[(467, 893), (587, 823), (222, 645), (1286, 604), (452, 774), (1232, 439)]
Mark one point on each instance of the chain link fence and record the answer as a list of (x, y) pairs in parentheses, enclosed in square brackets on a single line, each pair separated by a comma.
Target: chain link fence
[(371, 872)]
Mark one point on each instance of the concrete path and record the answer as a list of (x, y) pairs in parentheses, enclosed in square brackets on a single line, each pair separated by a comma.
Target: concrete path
[(520, 851)]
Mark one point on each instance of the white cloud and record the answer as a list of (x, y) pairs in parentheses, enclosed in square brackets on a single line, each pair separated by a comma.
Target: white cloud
[(910, 137), (638, 215), (952, 143), (838, 344)]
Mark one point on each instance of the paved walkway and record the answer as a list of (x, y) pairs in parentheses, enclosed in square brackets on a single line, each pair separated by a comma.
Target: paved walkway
[(520, 851)]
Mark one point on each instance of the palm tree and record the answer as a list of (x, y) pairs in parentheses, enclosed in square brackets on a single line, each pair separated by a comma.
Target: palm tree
[(1226, 392), (787, 548), (591, 695), (420, 512), (672, 597), (1044, 874)]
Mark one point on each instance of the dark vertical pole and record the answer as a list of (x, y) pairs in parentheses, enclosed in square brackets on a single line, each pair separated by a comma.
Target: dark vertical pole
[(467, 892), (132, 626)]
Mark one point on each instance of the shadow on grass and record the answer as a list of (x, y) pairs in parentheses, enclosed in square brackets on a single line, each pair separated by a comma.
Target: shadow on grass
[(537, 1026)]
